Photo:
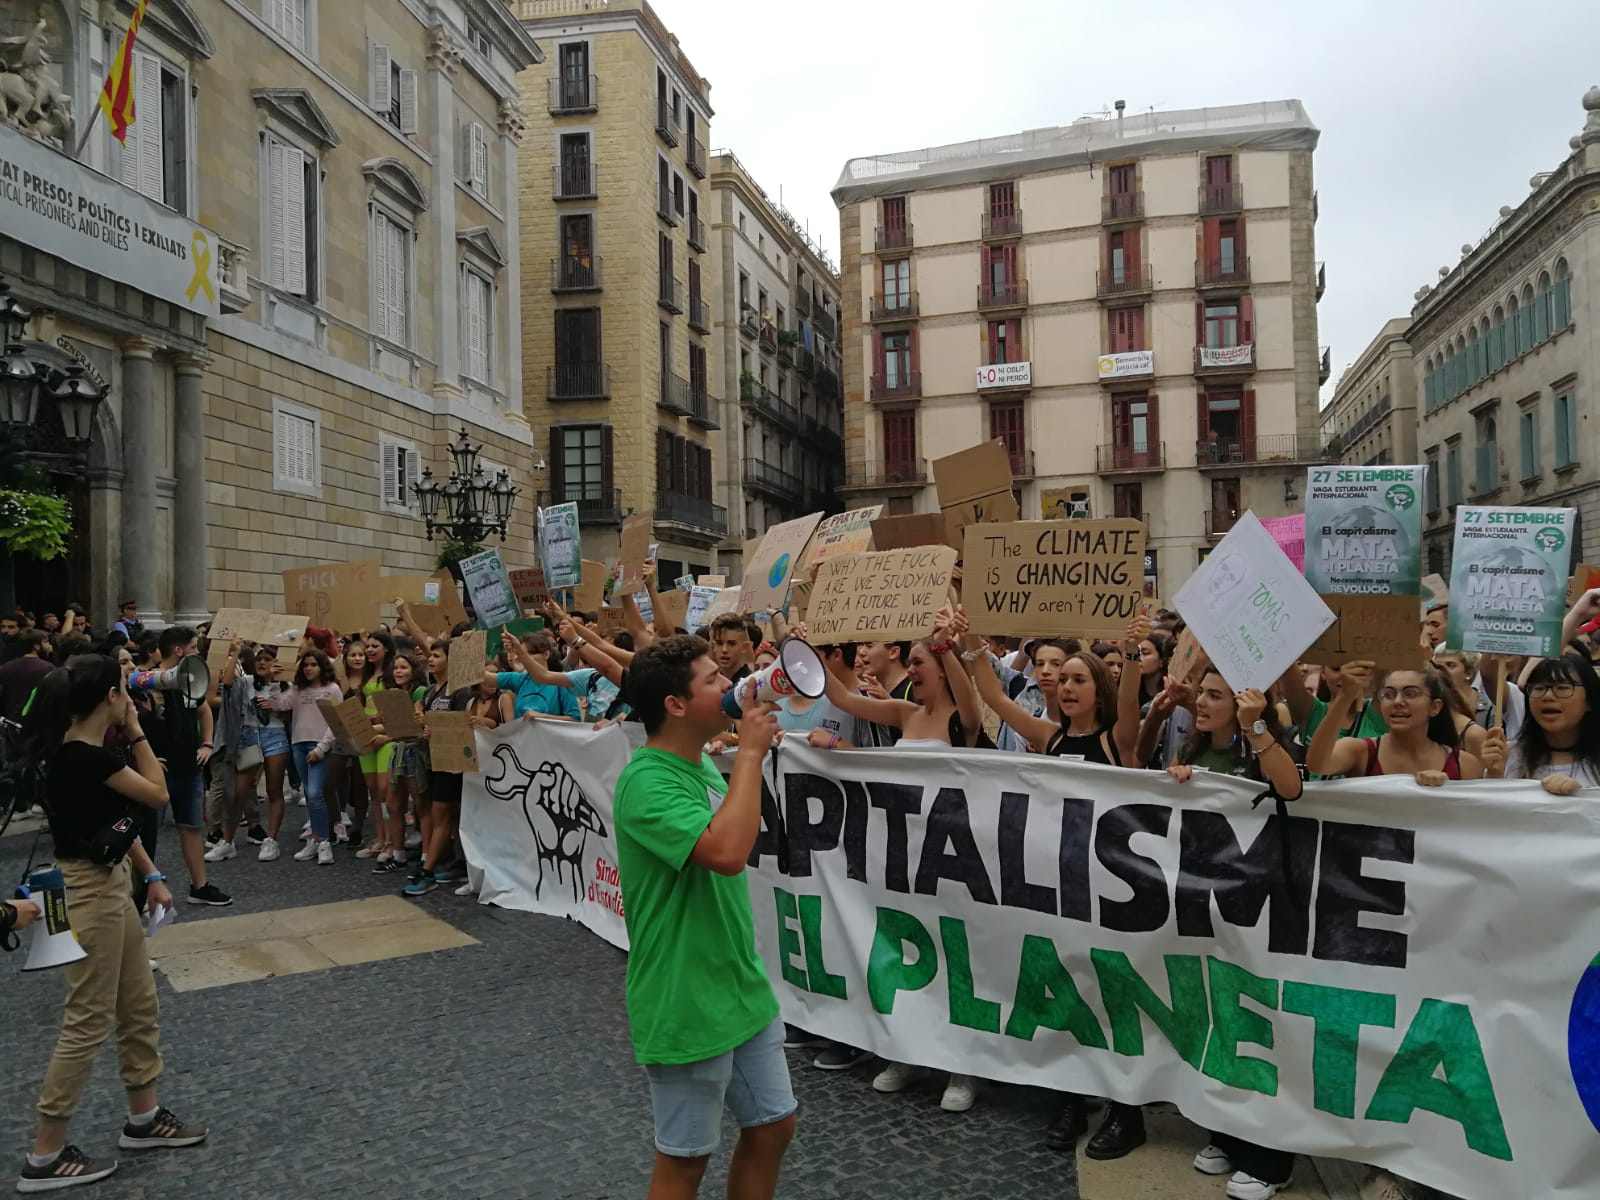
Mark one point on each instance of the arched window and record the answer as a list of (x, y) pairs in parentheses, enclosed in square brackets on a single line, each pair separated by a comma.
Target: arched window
[(1514, 347), (1450, 388), (1475, 371), (1525, 337), (1561, 297), (1497, 339), (1541, 309)]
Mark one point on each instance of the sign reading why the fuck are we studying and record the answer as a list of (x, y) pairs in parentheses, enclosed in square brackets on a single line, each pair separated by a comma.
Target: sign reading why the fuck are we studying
[(1337, 979)]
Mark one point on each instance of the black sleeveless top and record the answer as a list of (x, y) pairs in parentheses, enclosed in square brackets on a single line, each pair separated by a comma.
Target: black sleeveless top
[(1096, 747)]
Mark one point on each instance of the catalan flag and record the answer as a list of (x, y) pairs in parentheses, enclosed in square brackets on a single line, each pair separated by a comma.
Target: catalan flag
[(116, 98)]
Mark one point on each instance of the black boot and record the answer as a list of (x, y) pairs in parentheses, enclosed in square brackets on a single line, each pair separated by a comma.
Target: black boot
[(1070, 1125), (1121, 1133)]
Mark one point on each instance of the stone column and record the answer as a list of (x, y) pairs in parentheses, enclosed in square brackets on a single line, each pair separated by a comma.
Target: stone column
[(189, 524), (444, 57), (141, 459)]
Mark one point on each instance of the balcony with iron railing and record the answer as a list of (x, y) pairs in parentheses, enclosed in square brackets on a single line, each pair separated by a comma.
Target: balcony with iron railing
[(890, 387), (763, 401), (1002, 224), (674, 395), (574, 274), (668, 125), (575, 94), (895, 306), (767, 339), (578, 381), (1116, 283), (574, 181), (695, 158), (664, 208), (773, 481), (1322, 279), (699, 314), (697, 232), (1021, 464), (894, 237), (805, 362), (691, 512), (1274, 450), (891, 475), (786, 343), (703, 408), (1117, 207), (1130, 456), (827, 381), (1220, 521), (802, 301), (669, 294), (1325, 365), (826, 324), (749, 322), (1142, 517), (1219, 198), (1002, 293), (1222, 272), (596, 505)]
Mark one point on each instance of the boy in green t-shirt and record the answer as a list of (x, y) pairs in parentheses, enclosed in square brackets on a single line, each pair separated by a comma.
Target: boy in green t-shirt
[(702, 1012)]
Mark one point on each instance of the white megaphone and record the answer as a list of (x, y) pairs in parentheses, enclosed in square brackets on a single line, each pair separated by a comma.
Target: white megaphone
[(191, 677), (797, 672), (54, 944)]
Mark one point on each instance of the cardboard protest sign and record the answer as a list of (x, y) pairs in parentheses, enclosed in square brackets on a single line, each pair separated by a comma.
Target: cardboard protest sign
[(700, 599), (1583, 579), (610, 621), (1250, 608), (882, 596), (276, 629), (725, 601), (1363, 530), (843, 533), (713, 581), (452, 743), (1064, 503), (1381, 629), (1508, 580), (636, 531), (560, 546), (672, 610), (287, 661), (468, 653), (397, 712), (217, 651), (1290, 534), (1189, 659), (800, 599), (590, 592), (229, 623), (1050, 578), (413, 589), (489, 584), (974, 488), (1435, 592), (430, 619), (350, 724), (337, 596), (767, 572), (909, 529)]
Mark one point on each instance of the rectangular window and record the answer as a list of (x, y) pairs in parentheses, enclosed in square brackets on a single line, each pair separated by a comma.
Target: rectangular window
[(477, 308), (574, 58), (1127, 500), (1122, 179), (577, 336), (477, 38), (1002, 201), (583, 475), (1227, 243), (1566, 432), (288, 20), (399, 468), (1119, 257), (295, 446), (899, 445), (1127, 329), (1219, 170), (1452, 473), (1529, 426), (677, 194), (1225, 503), (1005, 424), (744, 291), (1431, 487), (1222, 325), (577, 251), (897, 284), (391, 279), (1005, 342), (697, 369), (292, 220), (694, 284), (577, 174), (1130, 424), (896, 360)]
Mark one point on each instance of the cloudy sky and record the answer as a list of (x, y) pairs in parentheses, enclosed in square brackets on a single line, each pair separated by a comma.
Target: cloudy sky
[(1432, 114)]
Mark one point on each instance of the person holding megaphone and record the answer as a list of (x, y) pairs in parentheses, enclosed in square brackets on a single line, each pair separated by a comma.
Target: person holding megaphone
[(91, 800)]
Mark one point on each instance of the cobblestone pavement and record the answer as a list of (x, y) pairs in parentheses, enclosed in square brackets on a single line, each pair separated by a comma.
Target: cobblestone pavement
[(498, 1070)]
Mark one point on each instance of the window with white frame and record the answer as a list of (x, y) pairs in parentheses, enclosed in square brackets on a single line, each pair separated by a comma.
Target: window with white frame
[(391, 277), (392, 89), (292, 203), (475, 156), (289, 18), (154, 158), (296, 448), (400, 467), (477, 316)]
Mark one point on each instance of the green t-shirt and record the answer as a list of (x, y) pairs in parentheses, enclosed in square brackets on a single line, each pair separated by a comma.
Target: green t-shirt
[(1222, 762), (1369, 723), (696, 986)]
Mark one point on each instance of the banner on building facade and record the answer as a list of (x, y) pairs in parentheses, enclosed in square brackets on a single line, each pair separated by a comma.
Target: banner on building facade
[(1383, 973)]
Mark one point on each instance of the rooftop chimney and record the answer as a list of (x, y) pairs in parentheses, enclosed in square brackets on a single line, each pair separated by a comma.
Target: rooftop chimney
[(1120, 105)]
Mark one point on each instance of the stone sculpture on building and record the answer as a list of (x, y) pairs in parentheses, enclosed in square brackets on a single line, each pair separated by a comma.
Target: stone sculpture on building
[(31, 96)]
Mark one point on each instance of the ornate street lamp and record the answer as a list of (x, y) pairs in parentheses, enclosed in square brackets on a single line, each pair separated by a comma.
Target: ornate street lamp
[(23, 380), (473, 505)]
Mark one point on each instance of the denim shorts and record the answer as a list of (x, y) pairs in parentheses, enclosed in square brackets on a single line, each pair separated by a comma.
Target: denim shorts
[(186, 792), (274, 741), (752, 1080)]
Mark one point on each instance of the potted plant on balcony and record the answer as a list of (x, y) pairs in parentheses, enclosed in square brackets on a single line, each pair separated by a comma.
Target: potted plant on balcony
[(788, 337), (749, 385)]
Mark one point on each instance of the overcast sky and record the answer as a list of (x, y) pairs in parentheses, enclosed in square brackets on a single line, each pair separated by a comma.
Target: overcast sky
[(1432, 114)]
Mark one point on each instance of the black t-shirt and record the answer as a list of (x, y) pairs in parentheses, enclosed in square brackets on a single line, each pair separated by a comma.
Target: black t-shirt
[(177, 737), (80, 803)]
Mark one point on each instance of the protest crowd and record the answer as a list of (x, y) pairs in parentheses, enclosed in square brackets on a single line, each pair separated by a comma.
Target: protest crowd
[(327, 749)]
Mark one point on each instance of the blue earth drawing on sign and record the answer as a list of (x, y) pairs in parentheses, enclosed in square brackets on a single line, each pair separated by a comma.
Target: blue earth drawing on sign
[(779, 572), (1583, 1040)]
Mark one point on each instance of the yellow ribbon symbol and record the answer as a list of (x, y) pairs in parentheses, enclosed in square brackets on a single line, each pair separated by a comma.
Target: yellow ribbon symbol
[(201, 249)]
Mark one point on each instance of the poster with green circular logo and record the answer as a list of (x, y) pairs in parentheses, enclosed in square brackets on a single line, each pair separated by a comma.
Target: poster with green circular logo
[(1364, 530), (1508, 580)]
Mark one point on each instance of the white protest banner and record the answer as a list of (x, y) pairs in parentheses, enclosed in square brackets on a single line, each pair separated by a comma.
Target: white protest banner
[(1339, 980), (560, 548), (700, 599), (1508, 580), (1251, 608)]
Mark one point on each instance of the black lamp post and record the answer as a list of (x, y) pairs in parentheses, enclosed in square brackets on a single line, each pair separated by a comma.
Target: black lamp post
[(469, 506)]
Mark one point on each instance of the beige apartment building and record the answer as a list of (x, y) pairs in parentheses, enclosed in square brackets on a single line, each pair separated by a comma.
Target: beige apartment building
[(1130, 304), (1506, 358), (1372, 419), (348, 173), (779, 454), (618, 301)]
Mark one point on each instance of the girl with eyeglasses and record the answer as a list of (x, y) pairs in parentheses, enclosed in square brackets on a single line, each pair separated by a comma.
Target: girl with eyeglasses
[(1559, 743), (1421, 741)]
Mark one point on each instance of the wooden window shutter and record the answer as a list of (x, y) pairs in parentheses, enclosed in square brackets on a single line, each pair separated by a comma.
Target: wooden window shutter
[(379, 92), (663, 461), (607, 458), (1202, 415), (1130, 253), (1247, 423), (913, 354), (1247, 323), (409, 103), (147, 127), (1211, 249), (1154, 424), (986, 265), (557, 464), (1199, 322), (1136, 328), (380, 266), (1014, 340), (294, 221), (390, 454), (1008, 256), (993, 337)]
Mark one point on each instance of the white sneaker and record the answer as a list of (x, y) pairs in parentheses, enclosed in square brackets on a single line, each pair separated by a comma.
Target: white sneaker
[(413, 840), (269, 850), (960, 1094), (465, 890), (306, 852), (1213, 1161), (298, 795), (324, 854), (1248, 1187), (895, 1077), (221, 852)]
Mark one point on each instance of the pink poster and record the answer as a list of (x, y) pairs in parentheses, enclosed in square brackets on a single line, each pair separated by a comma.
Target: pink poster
[(1290, 534)]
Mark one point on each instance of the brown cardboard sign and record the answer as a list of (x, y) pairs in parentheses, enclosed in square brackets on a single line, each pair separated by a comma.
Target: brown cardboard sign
[(398, 713), (1050, 578), (725, 601), (637, 530), (590, 593), (1380, 628), (230, 623), (528, 583), (882, 596), (1583, 579), (452, 743), (217, 652), (350, 724), (712, 581), (767, 572), (338, 596), (467, 656), (974, 487), (288, 661), (908, 529), (843, 533), (1188, 660), (275, 629), (430, 619), (450, 598), (672, 610), (610, 621)]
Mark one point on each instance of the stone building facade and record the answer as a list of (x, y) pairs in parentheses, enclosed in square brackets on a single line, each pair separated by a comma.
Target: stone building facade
[(1373, 416)]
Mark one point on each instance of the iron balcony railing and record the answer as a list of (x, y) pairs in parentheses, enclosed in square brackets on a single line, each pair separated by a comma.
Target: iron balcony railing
[(695, 158), (758, 474), (569, 274), (703, 408), (674, 395), (697, 232), (575, 181), (573, 94), (664, 208), (1006, 293), (670, 295), (1002, 224), (1221, 198), (897, 385), (894, 237), (1222, 272), (895, 306), (692, 511), (1131, 456), (699, 314), (578, 381), (1276, 448), (667, 123), (1122, 206), (596, 505), (1123, 281), (1219, 521)]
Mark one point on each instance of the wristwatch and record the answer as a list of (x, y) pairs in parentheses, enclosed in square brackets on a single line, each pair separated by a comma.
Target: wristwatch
[(1259, 729)]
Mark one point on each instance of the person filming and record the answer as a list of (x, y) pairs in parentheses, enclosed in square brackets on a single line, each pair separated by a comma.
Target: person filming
[(90, 795)]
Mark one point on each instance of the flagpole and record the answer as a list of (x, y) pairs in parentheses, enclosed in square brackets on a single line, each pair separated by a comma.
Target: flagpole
[(87, 130), (121, 65)]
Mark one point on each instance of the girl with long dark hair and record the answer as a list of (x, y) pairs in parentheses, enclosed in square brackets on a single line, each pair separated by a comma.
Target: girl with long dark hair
[(1559, 742), (310, 739), (1421, 740)]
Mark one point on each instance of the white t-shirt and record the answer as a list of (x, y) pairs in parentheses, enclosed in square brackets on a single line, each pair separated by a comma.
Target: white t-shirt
[(1582, 772)]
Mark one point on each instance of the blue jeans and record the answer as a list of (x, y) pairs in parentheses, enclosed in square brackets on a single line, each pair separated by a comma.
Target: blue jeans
[(313, 773)]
